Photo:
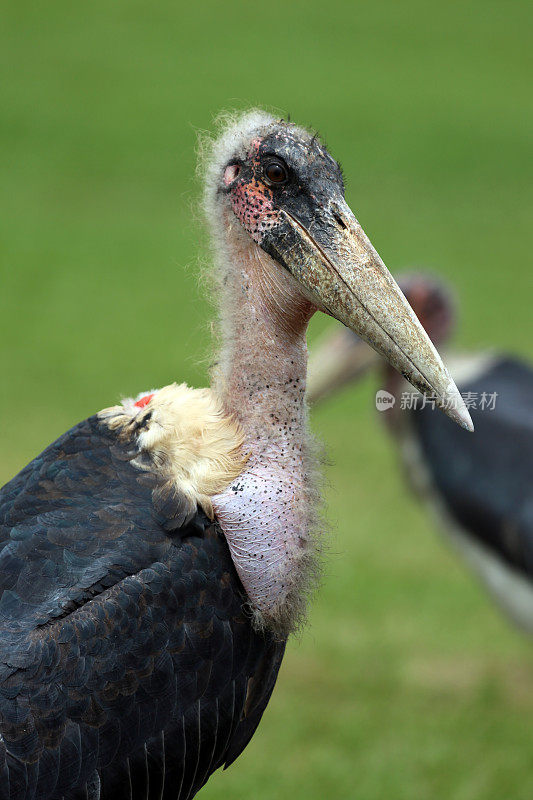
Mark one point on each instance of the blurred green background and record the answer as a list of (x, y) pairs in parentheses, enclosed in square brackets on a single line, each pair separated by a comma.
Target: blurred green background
[(407, 683)]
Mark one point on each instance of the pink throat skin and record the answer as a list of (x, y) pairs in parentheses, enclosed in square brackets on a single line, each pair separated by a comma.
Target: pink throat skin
[(268, 512)]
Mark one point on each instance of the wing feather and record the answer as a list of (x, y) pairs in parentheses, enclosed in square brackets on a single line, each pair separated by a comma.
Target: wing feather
[(126, 655)]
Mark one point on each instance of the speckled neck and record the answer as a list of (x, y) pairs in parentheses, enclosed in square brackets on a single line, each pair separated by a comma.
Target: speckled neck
[(267, 513)]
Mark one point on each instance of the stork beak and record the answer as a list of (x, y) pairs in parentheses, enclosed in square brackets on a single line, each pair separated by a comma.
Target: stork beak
[(338, 358), (341, 273)]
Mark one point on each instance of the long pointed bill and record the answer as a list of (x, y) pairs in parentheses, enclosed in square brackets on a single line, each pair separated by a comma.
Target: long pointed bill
[(343, 275)]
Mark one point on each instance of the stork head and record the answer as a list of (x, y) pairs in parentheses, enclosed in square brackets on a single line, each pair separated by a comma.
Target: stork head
[(286, 192), (433, 302)]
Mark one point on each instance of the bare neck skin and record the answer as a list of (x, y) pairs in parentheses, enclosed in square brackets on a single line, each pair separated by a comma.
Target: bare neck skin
[(264, 324), (267, 513)]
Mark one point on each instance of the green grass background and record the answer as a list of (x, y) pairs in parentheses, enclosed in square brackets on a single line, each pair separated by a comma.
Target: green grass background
[(407, 683)]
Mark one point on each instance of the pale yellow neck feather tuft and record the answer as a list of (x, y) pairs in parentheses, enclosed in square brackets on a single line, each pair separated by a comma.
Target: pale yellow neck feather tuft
[(189, 438)]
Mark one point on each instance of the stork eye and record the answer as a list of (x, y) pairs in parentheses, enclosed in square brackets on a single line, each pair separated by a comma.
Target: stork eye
[(276, 173)]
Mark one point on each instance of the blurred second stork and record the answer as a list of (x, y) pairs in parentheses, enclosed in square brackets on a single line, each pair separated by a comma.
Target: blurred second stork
[(479, 487)]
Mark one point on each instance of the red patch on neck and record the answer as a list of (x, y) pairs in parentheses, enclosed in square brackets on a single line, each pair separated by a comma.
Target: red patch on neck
[(143, 401)]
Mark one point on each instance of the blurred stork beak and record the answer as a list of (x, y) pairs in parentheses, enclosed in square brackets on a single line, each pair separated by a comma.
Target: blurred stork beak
[(342, 274), (338, 358)]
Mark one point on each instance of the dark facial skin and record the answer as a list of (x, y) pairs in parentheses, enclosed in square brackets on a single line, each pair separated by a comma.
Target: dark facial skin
[(285, 172)]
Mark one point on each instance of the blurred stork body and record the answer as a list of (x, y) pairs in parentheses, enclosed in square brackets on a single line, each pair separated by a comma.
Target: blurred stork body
[(156, 557), (479, 487)]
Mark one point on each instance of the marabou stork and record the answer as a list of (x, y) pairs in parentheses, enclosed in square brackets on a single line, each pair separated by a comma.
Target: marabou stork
[(480, 487), (156, 557)]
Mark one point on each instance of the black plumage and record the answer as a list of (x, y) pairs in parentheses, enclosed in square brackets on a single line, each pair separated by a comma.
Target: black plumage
[(484, 480), (128, 666)]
